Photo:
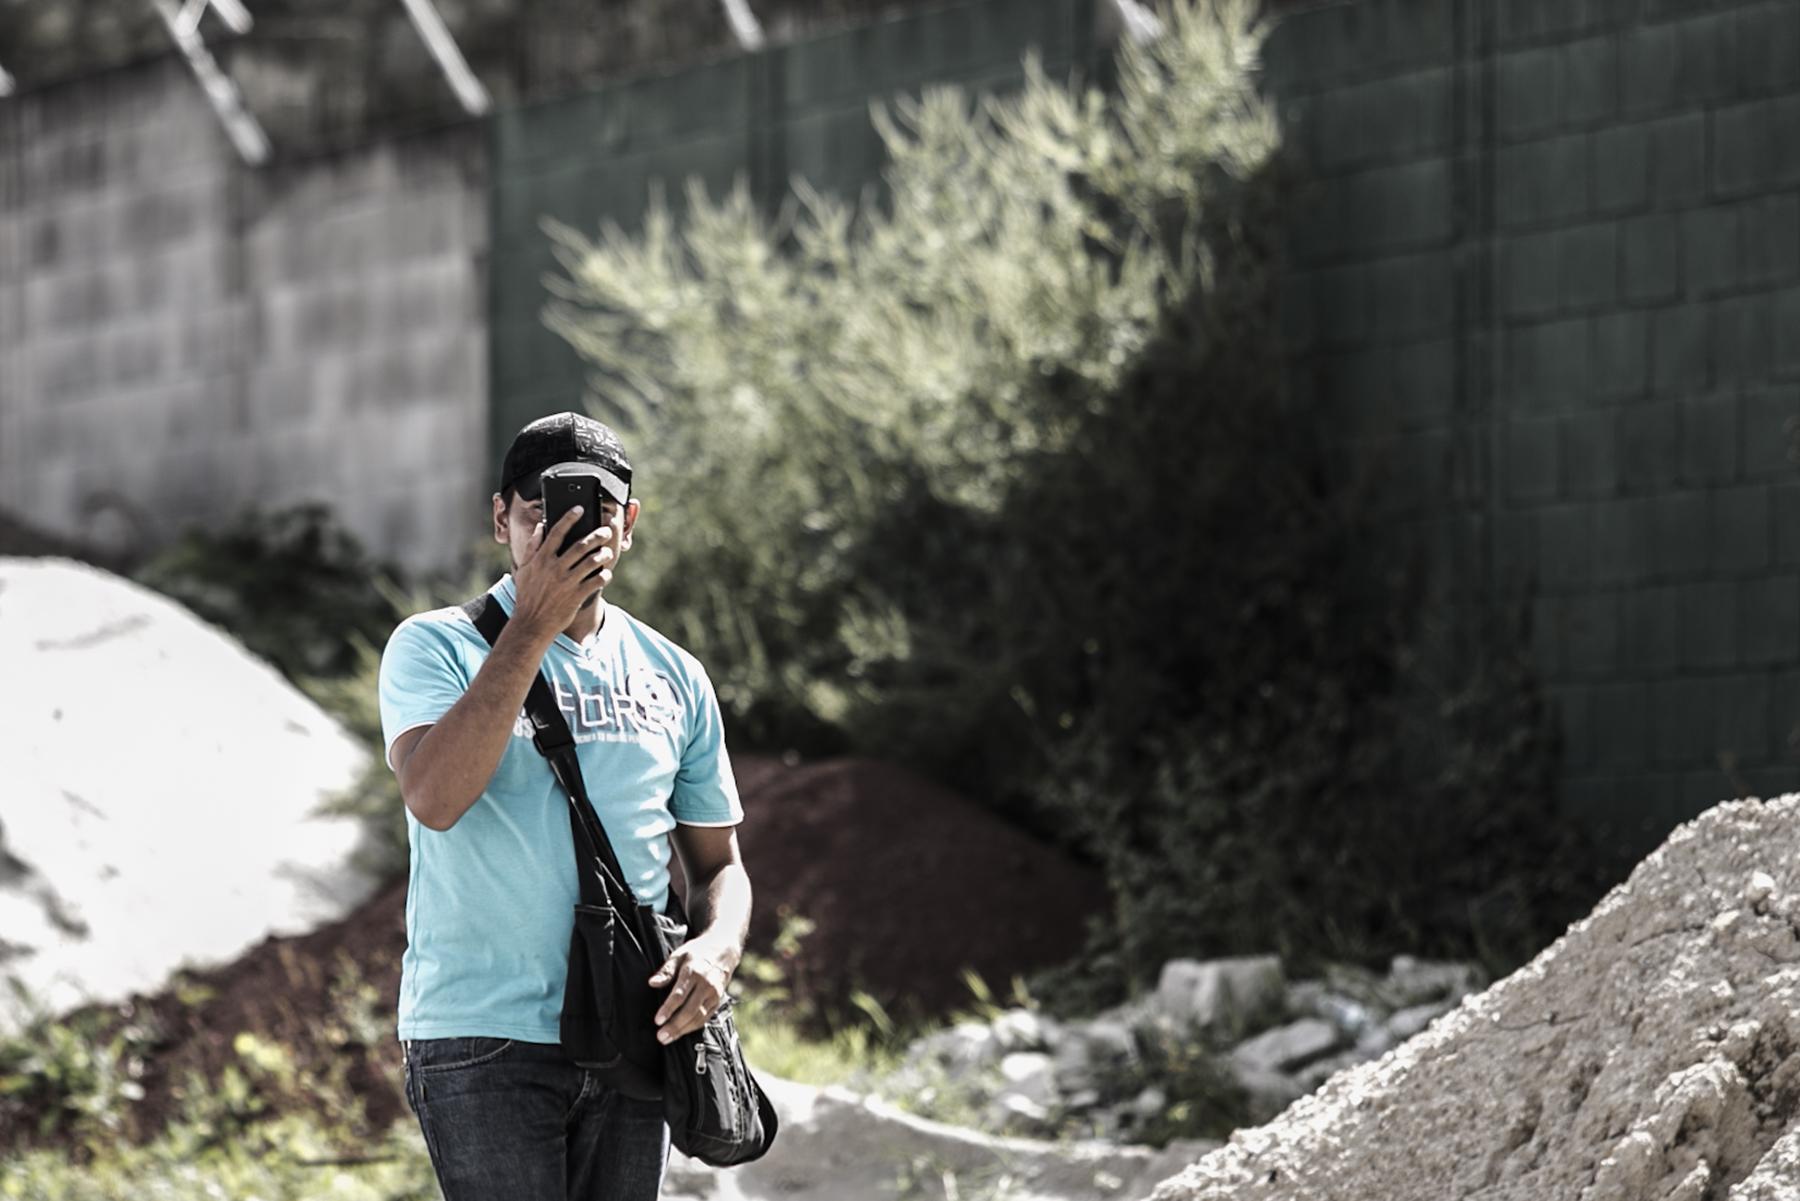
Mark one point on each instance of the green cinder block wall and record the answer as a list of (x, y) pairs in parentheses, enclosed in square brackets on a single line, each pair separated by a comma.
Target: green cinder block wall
[(1548, 269)]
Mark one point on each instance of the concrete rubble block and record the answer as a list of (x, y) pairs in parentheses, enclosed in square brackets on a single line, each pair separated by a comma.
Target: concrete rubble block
[(1029, 1074), (1375, 1042), (1022, 1030), (1352, 1017), (964, 1046), (1085, 1054), (1085, 1098), (1319, 1071), (1139, 1013), (1072, 1065), (1268, 1092), (1011, 1111), (1414, 981), (1109, 1042), (1221, 996), (1149, 1103), (1288, 1047), (1412, 1020), (1359, 984), (1305, 998)]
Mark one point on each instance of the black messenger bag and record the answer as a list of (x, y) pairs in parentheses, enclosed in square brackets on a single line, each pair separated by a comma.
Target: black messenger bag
[(716, 1111)]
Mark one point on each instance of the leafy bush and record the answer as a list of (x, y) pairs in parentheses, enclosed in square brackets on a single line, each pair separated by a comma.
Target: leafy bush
[(291, 585), (295, 1157), (815, 421), (793, 1040), (67, 1077), (277, 1122), (999, 477), (1267, 740)]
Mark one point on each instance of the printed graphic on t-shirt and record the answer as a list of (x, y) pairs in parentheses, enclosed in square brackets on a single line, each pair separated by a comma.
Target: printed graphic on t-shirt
[(608, 709), (652, 696)]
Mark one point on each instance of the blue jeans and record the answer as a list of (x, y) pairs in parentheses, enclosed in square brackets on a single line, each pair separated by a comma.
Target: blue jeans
[(507, 1120)]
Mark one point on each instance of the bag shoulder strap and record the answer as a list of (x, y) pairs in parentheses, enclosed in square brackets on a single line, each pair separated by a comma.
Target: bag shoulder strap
[(550, 732)]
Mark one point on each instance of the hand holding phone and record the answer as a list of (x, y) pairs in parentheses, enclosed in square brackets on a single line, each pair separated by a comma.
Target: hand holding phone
[(563, 492), (572, 553)]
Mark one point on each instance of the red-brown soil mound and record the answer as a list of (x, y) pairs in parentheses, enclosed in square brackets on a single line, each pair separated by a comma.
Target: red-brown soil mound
[(907, 884)]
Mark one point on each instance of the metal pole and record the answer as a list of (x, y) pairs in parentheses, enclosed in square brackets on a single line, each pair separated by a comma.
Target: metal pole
[(744, 23), (240, 125), (443, 47), (231, 12)]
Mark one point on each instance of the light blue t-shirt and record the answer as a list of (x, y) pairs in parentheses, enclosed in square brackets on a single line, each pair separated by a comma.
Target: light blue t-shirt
[(489, 902)]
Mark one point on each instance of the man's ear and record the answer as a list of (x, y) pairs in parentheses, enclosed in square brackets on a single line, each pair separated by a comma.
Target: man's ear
[(631, 516), (501, 533)]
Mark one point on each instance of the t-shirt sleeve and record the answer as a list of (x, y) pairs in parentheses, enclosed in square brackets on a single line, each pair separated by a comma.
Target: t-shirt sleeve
[(420, 678), (705, 790)]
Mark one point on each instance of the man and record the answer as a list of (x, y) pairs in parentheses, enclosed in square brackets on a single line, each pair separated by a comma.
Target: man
[(489, 903)]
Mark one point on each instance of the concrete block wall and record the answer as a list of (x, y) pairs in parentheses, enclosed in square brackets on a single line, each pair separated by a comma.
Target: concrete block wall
[(1546, 269), (181, 336)]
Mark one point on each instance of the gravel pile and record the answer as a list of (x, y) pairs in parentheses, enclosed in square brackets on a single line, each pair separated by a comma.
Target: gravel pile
[(1651, 1052)]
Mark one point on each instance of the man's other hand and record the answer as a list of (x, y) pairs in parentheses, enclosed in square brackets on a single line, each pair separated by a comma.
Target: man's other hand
[(699, 985)]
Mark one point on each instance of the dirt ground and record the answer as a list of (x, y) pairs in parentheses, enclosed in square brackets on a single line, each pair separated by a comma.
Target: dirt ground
[(907, 882)]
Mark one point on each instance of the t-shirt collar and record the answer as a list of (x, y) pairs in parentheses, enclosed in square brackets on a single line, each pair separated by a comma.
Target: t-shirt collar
[(609, 620)]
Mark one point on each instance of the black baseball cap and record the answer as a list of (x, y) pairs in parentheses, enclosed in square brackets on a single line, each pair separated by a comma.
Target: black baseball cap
[(566, 438)]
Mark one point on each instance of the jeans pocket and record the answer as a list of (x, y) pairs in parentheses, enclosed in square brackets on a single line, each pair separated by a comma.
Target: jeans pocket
[(431, 1055)]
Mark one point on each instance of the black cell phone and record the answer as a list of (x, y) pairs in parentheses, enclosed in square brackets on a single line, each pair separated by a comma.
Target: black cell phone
[(564, 492)]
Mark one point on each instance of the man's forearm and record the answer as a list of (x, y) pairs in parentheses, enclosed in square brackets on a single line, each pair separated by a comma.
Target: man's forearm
[(722, 916), (452, 764)]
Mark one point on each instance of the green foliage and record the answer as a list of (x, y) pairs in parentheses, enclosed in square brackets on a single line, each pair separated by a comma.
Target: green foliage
[(271, 1125), (296, 1157), (785, 1039), (1204, 1097), (75, 1081), (1000, 478), (815, 419), (290, 584)]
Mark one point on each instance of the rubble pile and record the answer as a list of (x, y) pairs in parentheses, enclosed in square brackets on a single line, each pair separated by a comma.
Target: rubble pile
[(1028, 1073)]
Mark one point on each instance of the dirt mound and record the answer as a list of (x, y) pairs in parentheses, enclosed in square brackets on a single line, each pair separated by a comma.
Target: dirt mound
[(906, 881), (162, 792), (1651, 1052)]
